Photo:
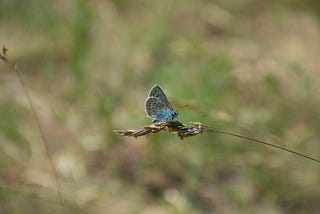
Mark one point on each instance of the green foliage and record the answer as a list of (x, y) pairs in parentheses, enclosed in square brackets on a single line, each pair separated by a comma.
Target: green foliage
[(245, 67)]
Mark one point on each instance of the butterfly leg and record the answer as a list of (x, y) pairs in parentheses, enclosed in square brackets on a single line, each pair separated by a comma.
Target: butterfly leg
[(155, 121)]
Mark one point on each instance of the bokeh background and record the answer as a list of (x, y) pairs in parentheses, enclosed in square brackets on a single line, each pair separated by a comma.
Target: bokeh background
[(249, 67)]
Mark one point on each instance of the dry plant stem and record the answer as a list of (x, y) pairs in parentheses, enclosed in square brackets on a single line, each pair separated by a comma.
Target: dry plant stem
[(183, 131), (174, 126), (5, 58), (268, 144)]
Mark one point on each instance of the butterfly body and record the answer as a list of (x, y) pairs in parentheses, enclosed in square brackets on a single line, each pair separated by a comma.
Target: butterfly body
[(158, 107)]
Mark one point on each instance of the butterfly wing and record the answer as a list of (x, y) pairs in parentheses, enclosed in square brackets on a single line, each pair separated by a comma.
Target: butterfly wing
[(157, 92), (153, 107)]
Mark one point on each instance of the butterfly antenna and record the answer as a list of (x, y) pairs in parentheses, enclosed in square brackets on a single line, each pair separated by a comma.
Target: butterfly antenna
[(268, 144)]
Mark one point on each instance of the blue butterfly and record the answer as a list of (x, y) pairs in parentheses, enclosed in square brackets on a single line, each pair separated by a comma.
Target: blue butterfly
[(157, 105)]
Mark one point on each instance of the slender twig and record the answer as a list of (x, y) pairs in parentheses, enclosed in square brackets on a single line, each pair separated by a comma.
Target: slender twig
[(269, 144), (13, 66)]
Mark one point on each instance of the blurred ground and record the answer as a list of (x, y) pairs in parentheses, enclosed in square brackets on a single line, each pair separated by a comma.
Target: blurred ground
[(249, 67)]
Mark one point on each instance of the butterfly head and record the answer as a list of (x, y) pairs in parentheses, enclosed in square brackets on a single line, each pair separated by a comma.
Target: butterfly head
[(175, 114)]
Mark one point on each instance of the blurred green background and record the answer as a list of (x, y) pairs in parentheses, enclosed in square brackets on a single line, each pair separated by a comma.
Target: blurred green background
[(249, 67)]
